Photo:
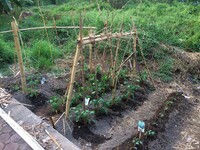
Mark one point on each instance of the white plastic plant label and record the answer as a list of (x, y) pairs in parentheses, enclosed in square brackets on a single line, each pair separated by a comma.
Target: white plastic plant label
[(87, 100)]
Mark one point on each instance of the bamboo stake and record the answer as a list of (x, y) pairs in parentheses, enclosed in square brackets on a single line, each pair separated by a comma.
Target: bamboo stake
[(83, 59), (141, 51), (19, 55), (103, 62), (90, 49), (48, 27), (52, 122), (134, 48), (103, 37), (73, 73), (69, 95), (54, 140), (108, 35), (115, 78), (124, 62), (13, 102), (54, 21)]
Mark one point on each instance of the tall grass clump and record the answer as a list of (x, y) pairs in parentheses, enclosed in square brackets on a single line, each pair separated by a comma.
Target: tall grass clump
[(41, 55), (6, 53)]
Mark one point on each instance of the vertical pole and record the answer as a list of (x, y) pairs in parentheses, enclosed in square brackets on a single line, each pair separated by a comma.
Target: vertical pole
[(54, 21), (134, 46), (134, 49), (19, 55), (73, 72), (90, 48)]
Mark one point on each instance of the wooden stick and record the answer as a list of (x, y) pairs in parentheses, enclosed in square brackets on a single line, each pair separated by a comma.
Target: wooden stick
[(115, 77), (124, 62), (148, 71), (52, 122), (20, 131), (69, 96), (90, 49), (107, 34), (19, 55), (98, 38), (59, 118), (54, 140), (82, 59), (134, 48), (6, 101), (54, 21), (48, 27)]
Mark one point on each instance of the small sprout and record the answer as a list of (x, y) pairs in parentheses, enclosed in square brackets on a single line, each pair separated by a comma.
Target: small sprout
[(169, 103), (137, 142), (150, 133)]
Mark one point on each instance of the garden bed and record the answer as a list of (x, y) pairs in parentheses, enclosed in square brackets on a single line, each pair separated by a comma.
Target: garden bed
[(118, 128), (154, 125)]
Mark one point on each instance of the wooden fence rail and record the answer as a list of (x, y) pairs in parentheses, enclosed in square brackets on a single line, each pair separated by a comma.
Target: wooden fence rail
[(49, 27), (103, 37)]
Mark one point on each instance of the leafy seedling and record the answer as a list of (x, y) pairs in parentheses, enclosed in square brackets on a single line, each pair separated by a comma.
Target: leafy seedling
[(56, 103)]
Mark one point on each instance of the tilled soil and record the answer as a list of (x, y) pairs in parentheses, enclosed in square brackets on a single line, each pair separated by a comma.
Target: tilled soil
[(182, 131)]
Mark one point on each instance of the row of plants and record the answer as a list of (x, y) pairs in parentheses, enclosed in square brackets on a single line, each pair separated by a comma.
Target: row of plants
[(98, 90), (157, 123)]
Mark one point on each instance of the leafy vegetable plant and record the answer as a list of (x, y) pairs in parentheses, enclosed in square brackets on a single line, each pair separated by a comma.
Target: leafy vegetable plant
[(83, 116), (101, 106), (56, 103), (137, 142)]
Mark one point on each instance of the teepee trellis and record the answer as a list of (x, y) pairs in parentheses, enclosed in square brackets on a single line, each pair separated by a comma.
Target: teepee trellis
[(91, 39)]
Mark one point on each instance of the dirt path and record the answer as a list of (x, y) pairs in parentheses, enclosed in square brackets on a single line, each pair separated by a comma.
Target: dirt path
[(182, 131)]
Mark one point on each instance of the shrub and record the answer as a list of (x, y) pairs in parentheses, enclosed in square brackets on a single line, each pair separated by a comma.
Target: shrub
[(6, 52)]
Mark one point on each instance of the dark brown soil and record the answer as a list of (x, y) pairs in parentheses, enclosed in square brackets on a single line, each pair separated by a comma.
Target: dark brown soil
[(84, 133), (115, 128), (156, 124), (37, 100)]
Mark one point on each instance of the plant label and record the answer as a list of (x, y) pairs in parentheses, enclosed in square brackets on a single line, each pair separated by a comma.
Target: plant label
[(87, 100)]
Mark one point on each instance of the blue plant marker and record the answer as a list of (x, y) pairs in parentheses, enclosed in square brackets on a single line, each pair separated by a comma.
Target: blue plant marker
[(141, 126)]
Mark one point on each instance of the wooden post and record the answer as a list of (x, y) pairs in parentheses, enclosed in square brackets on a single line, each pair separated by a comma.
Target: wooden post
[(54, 21), (134, 46), (73, 73), (69, 95), (19, 55), (134, 50), (90, 48)]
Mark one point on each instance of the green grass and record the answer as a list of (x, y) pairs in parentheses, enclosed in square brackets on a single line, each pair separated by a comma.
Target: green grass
[(165, 70), (42, 55), (175, 24), (6, 52)]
